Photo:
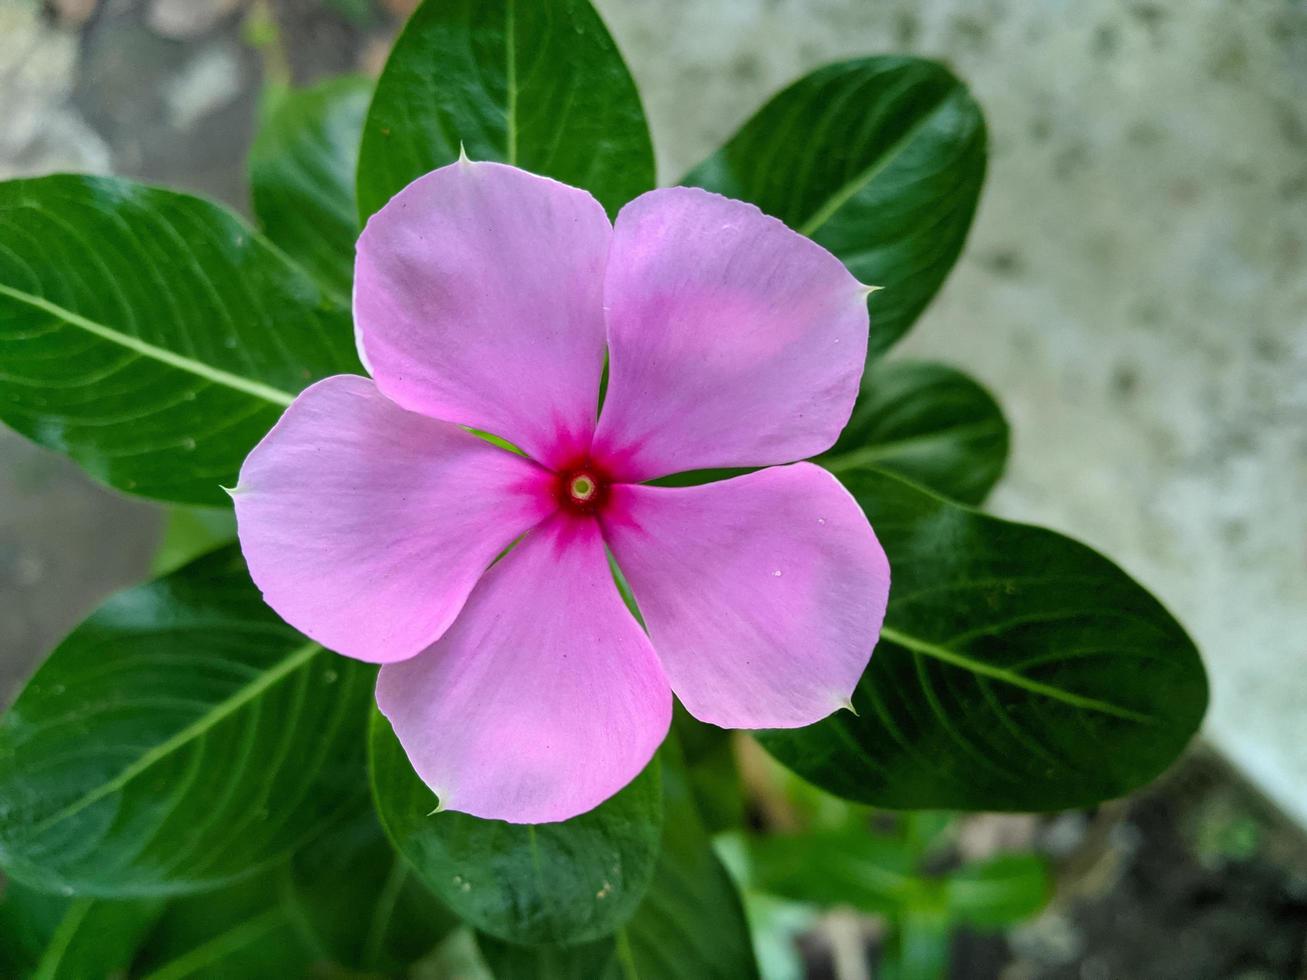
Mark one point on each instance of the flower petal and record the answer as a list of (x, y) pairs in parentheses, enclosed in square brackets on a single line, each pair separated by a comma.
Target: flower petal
[(733, 341), (478, 299), (544, 698), (763, 595), (366, 526)]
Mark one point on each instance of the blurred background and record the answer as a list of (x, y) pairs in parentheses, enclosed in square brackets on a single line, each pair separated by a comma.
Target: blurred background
[(1134, 291)]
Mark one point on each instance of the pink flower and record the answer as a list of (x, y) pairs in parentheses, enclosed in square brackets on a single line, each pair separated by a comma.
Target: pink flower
[(485, 297)]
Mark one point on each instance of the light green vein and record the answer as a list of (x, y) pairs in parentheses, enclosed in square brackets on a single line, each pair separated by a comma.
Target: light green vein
[(387, 900), (62, 939), (625, 955), (510, 80), (869, 173), (201, 370), (221, 946), (1011, 677), (879, 451), (194, 730)]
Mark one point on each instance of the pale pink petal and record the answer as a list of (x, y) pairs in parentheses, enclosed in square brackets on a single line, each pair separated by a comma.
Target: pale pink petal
[(733, 341), (366, 526), (763, 595), (544, 698), (478, 299)]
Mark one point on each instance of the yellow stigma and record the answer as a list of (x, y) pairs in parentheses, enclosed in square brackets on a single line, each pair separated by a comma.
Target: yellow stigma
[(582, 488)]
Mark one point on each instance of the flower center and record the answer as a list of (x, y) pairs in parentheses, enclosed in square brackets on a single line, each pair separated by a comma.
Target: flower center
[(582, 489)]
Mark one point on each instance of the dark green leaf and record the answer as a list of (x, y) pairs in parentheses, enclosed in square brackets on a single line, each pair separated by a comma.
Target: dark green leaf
[(302, 169), (1018, 670), (929, 423), (247, 931), (152, 336), (690, 924), (563, 882), (998, 892), (180, 737), (49, 937), (535, 83), (711, 770), (878, 159), (363, 903), (510, 962)]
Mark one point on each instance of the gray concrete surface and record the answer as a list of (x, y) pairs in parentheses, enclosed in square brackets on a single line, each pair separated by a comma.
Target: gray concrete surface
[(1135, 288)]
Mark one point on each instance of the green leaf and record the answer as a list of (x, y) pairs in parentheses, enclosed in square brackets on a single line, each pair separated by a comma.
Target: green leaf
[(873, 872), (247, 930), (918, 946), (45, 936), (179, 738), (562, 882), (364, 905), (690, 924), (998, 892), (190, 532), (152, 336), (1017, 670), (711, 771), (302, 169), (929, 423), (535, 83), (878, 159)]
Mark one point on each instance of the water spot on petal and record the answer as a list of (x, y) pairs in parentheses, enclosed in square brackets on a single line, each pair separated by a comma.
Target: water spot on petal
[(776, 574)]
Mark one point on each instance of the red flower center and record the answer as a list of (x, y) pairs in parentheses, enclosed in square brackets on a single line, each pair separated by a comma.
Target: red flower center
[(582, 489)]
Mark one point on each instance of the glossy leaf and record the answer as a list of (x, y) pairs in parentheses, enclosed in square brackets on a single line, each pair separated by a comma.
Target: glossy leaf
[(179, 738), (364, 905), (562, 882), (690, 924), (535, 83), (926, 422), (150, 335), (1017, 670), (302, 167), (878, 159), (248, 930), (47, 937)]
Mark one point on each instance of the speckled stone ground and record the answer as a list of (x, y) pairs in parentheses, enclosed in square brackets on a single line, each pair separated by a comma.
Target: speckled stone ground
[(1134, 290)]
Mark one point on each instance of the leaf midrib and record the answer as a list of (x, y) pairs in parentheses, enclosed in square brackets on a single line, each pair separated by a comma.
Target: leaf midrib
[(870, 172), (209, 373), (878, 451), (960, 660), (223, 709)]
